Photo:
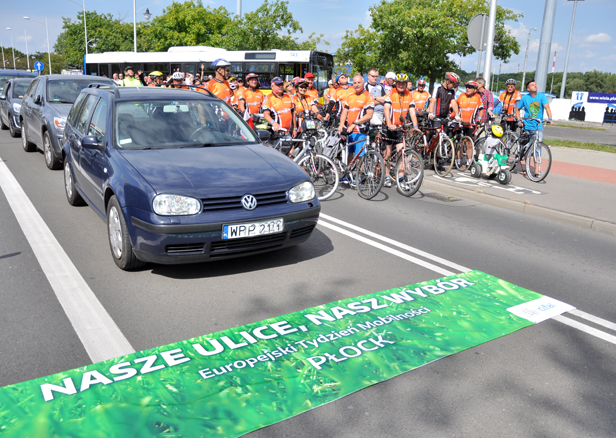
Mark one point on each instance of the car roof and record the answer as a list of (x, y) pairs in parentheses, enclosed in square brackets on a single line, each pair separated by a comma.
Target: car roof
[(17, 73), (150, 93), (78, 78), (15, 80)]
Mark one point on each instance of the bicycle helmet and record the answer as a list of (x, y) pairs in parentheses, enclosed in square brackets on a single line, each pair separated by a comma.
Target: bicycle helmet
[(218, 63), (510, 82), (155, 74), (421, 82), (402, 77), (177, 76), (232, 85), (127, 68), (250, 76), (471, 84), (497, 131), (453, 78)]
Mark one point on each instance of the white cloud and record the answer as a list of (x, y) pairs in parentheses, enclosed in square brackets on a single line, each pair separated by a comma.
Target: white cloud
[(368, 18), (589, 55), (598, 38)]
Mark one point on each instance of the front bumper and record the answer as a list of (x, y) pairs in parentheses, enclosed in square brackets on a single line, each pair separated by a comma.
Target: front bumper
[(192, 243)]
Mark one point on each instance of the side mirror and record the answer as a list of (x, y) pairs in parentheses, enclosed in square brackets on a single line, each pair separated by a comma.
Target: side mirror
[(2, 97), (38, 99), (91, 142), (263, 134)]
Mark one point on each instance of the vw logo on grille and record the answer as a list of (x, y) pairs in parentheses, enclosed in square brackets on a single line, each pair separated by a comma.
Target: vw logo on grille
[(249, 202)]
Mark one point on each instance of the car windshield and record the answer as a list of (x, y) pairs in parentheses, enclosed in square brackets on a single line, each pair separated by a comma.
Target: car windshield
[(4, 79), (19, 89), (67, 90), (165, 124)]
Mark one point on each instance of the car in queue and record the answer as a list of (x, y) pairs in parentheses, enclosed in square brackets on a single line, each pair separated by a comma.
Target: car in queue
[(6, 75), (179, 177), (44, 109), (10, 104)]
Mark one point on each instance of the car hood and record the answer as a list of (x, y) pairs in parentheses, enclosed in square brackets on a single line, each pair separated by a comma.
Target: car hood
[(215, 171), (61, 108)]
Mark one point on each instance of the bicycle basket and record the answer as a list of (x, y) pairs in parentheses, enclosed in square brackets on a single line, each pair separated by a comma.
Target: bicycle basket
[(330, 146)]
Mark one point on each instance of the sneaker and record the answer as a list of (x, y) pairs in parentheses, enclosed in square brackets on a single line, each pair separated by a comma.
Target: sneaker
[(344, 180), (387, 182)]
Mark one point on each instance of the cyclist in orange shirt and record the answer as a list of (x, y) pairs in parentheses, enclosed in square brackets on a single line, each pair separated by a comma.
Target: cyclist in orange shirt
[(304, 102), (471, 109), (219, 85), (311, 90), (420, 95), (336, 103), (510, 98), (398, 106), (156, 78), (278, 108), (178, 81), (252, 99), (357, 111)]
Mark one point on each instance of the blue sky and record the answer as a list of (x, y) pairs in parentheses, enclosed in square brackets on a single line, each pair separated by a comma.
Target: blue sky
[(593, 45)]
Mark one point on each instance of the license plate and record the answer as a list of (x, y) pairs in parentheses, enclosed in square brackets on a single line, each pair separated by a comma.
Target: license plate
[(310, 124), (252, 229)]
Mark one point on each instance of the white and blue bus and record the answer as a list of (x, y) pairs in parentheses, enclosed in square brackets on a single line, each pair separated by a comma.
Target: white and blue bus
[(266, 63)]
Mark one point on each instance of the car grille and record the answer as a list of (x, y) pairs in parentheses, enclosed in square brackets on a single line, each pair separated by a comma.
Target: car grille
[(246, 245), (210, 204), (185, 248), (301, 232)]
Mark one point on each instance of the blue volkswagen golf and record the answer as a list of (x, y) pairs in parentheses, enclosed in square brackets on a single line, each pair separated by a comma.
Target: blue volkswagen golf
[(180, 178)]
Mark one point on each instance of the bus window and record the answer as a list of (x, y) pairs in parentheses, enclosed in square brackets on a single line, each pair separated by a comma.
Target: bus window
[(260, 67), (286, 71), (103, 70), (237, 67), (189, 68)]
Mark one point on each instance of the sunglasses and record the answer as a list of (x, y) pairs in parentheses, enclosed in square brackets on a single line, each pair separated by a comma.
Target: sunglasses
[(303, 87)]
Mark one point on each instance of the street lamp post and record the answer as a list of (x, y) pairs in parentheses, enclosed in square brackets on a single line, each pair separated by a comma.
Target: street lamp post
[(85, 27), (563, 85), (526, 57), (26, 37), (3, 61), (13, 51), (47, 28), (147, 16)]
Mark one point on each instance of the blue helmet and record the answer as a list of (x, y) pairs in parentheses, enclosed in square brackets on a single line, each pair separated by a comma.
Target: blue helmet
[(220, 63)]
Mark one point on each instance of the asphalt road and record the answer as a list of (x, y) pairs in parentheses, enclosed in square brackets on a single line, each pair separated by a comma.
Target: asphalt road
[(548, 380), (606, 137)]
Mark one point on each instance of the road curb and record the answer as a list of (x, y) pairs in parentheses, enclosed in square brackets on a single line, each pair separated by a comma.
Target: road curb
[(535, 210)]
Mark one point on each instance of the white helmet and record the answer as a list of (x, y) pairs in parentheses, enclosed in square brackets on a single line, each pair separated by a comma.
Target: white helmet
[(177, 75), (220, 63)]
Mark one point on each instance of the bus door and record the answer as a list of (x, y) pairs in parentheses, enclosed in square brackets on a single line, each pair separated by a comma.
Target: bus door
[(286, 71)]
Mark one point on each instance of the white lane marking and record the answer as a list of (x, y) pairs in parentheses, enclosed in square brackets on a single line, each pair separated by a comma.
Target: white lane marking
[(592, 318), (424, 254), (387, 249), (98, 333), (586, 328)]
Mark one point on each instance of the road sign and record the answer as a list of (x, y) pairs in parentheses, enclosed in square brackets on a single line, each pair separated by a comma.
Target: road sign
[(478, 31), (39, 66)]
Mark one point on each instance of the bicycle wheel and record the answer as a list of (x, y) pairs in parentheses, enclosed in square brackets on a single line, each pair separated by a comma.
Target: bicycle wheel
[(323, 174), (478, 147), (370, 174), (410, 172), (512, 147), (462, 146), (538, 162), (444, 154)]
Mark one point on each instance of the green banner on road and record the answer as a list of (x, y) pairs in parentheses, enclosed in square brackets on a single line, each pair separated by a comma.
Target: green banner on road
[(235, 381)]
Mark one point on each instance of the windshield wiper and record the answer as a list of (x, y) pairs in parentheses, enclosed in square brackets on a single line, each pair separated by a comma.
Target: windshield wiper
[(61, 101)]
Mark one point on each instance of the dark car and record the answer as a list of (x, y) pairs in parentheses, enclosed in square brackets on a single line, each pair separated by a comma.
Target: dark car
[(179, 177), (6, 75), (10, 104), (44, 109)]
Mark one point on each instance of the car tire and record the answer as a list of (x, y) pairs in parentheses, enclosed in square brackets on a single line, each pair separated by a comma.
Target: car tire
[(25, 143), (3, 126), (52, 162), (72, 195), (13, 128), (119, 238)]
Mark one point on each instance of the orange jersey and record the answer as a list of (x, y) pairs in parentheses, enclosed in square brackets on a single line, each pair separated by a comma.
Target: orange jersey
[(221, 89), (421, 99), (302, 105), (341, 95), (253, 100), (469, 107), (234, 100), (331, 92), (510, 101), (313, 92), (357, 105), (399, 105), (240, 91), (281, 109)]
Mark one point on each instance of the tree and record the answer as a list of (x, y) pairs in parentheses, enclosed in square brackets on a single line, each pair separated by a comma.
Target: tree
[(358, 49), (419, 36)]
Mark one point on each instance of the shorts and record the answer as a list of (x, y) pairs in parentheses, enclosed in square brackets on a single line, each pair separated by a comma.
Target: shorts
[(356, 147), (392, 137), (536, 132)]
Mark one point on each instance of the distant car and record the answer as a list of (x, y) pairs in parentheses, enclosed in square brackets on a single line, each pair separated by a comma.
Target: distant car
[(179, 177), (44, 109), (10, 104), (5, 75)]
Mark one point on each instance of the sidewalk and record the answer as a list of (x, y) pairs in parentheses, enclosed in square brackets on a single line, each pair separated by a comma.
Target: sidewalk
[(580, 189)]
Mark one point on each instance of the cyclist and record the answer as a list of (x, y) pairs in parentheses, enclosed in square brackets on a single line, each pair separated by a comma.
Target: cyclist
[(378, 94), (398, 106), (471, 109), (420, 95), (252, 99), (304, 102), (357, 111), (311, 90), (487, 98), (336, 104), (390, 78), (534, 104), (509, 98), (289, 88), (444, 97), (156, 79), (129, 78), (278, 108), (178, 81), (219, 84), (240, 86)]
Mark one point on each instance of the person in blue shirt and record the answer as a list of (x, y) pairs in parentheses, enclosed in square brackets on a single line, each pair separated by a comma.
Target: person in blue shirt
[(534, 104)]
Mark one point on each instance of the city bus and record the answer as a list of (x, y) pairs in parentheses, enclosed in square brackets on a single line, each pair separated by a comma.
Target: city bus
[(265, 63)]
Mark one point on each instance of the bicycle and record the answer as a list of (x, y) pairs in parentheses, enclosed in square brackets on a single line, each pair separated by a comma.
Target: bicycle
[(463, 143), (536, 155), (439, 152), (321, 170), (410, 162)]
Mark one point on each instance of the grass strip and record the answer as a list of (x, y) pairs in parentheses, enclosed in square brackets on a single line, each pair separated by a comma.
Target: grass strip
[(579, 127), (580, 145)]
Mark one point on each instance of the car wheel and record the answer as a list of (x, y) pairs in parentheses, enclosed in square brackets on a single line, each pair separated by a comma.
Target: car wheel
[(28, 147), (12, 127), (72, 195), (119, 238), (3, 126), (52, 162)]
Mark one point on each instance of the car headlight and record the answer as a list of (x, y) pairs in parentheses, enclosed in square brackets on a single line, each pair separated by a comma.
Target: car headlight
[(302, 192), (16, 108), (175, 205), (59, 123)]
